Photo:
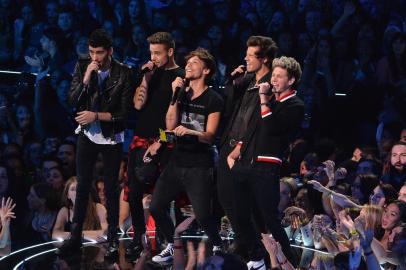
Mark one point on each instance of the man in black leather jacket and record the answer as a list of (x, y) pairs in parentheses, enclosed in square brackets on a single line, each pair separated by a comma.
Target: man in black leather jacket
[(101, 93)]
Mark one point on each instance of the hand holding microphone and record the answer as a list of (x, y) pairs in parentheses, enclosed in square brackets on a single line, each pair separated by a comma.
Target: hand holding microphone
[(240, 70), (147, 69), (178, 87), (94, 66)]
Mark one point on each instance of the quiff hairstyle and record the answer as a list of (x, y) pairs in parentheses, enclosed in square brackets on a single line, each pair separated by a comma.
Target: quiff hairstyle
[(267, 47), (208, 60), (291, 66), (164, 38)]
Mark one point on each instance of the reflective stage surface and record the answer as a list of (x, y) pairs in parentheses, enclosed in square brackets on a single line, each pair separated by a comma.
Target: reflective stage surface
[(91, 256)]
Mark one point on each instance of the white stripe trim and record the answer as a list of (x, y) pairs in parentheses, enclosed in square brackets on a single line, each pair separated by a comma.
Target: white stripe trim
[(265, 115), (288, 97), (270, 158)]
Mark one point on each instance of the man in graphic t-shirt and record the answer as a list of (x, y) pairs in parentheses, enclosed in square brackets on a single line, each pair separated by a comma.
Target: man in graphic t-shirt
[(194, 119), (151, 101)]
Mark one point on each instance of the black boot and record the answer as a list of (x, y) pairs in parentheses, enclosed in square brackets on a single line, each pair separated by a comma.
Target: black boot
[(135, 247), (73, 243), (112, 247)]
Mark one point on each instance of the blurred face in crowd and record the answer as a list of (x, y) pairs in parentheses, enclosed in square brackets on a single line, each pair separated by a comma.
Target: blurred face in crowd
[(160, 54), (101, 55), (313, 21), (54, 178), (66, 153), (195, 68), (277, 21), (27, 14), (82, 49), (254, 63), (398, 157), (47, 165), (100, 192), (365, 167), (390, 217), (138, 34), (34, 202), (72, 192), (23, 117), (403, 135), (356, 190), (65, 21), (46, 43), (285, 42), (377, 197), (52, 12), (284, 196), (35, 153), (402, 194), (50, 145), (398, 46), (215, 34), (109, 27), (280, 80), (3, 180), (133, 8)]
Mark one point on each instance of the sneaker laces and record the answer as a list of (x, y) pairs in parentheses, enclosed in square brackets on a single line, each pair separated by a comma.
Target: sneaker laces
[(167, 251)]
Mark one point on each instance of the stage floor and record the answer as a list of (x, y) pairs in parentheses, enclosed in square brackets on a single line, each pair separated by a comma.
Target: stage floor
[(43, 257)]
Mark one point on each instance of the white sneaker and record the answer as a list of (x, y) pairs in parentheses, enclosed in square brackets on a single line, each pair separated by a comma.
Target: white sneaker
[(256, 265), (166, 255)]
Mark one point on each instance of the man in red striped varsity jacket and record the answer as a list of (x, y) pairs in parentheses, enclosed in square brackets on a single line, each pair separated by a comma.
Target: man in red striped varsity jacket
[(256, 160)]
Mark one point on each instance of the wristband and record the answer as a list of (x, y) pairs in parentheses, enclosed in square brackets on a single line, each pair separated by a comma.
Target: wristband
[(353, 232), (286, 260), (266, 94), (265, 103), (96, 116)]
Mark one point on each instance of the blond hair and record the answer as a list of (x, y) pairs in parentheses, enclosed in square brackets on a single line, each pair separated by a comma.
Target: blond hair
[(291, 66)]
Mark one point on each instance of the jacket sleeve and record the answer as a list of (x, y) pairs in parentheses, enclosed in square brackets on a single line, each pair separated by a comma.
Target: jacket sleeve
[(286, 120), (126, 97), (76, 94)]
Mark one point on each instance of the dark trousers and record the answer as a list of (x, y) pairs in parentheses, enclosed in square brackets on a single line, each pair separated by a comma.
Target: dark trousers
[(225, 183), (136, 191), (198, 184), (86, 155), (258, 187)]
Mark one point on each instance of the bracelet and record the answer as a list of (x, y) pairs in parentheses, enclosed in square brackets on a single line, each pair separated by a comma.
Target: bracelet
[(265, 103), (266, 94), (96, 116), (177, 238), (368, 253)]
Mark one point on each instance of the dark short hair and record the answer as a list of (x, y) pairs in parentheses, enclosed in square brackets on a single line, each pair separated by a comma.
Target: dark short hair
[(267, 47), (207, 58), (164, 38), (100, 38)]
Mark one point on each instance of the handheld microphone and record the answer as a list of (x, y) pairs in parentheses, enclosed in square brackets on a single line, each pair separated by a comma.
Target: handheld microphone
[(179, 92), (146, 69), (236, 75)]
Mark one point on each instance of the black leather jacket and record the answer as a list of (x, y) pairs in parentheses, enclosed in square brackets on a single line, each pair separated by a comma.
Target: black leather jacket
[(115, 98)]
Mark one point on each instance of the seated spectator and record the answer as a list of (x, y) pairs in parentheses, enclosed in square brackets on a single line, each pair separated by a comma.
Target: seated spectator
[(67, 153), (95, 224), (41, 218)]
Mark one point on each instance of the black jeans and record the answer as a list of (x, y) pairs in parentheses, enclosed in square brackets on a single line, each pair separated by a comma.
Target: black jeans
[(199, 186), (86, 155), (256, 192), (225, 183)]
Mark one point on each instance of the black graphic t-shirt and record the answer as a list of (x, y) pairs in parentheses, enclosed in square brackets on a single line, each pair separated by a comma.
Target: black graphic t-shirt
[(189, 152)]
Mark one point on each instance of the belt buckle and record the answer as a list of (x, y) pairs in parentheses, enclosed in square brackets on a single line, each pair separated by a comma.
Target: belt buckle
[(233, 142)]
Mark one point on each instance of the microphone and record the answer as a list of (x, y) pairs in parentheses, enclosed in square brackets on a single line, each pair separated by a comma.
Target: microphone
[(146, 69), (236, 75), (179, 92)]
